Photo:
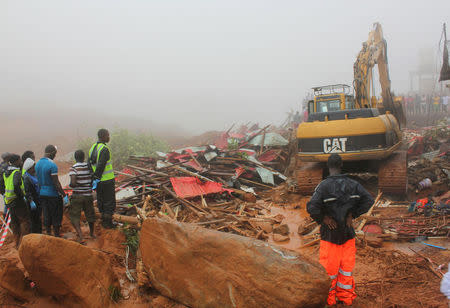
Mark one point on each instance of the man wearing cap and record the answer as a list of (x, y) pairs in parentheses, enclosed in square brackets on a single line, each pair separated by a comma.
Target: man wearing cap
[(335, 202), (11, 186), (51, 193), (31, 185)]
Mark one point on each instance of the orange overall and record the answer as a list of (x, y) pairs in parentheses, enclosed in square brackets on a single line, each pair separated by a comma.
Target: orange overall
[(339, 261), (335, 202)]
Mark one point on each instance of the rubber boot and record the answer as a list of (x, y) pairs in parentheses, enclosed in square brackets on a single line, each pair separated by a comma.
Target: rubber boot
[(104, 221), (92, 230), (108, 222), (56, 230)]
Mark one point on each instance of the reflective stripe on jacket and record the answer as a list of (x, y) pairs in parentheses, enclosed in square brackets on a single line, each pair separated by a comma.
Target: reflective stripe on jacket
[(10, 194), (337, 196), (108, 172)]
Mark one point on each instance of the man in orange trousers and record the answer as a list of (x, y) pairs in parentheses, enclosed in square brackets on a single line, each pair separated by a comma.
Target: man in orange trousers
[(336, 201)]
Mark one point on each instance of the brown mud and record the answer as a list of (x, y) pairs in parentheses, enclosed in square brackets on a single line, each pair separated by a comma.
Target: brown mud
[(390, 276)]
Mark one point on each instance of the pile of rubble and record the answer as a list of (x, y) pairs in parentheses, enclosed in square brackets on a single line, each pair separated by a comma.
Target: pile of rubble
[(400, 221), (215, 186), (394, 221), (429, 156)]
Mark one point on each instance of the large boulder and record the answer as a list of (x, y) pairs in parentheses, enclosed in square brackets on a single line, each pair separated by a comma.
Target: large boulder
[(205, 268), (76, 275), (13, 280)]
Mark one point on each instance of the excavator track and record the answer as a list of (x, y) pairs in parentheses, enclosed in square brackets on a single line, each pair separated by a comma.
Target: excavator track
[(308, 176), (392, 174)]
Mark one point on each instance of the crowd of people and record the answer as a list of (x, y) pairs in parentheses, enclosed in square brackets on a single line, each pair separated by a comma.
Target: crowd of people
[(34, 197), (425, 104)]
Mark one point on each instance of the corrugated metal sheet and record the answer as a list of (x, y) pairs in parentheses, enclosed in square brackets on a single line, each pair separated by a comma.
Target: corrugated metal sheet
[(187, 187), (270, 139), (266, 175)]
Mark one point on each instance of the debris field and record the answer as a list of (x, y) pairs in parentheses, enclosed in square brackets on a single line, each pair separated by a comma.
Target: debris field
[(199, 226)]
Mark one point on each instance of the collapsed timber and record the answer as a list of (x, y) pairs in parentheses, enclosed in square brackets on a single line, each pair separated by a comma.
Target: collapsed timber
[(215, 186)]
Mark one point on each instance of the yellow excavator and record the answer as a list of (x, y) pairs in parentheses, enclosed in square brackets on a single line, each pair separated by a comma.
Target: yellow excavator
[(365, 132)]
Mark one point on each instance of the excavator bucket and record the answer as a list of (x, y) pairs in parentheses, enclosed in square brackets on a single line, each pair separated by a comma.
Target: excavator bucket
[(445, 70)]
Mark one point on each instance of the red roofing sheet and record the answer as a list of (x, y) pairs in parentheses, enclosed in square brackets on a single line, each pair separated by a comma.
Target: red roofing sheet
[(187, 187), (268, 156)]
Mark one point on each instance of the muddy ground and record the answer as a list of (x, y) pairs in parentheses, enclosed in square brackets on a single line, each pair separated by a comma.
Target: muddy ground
[(389, 276)]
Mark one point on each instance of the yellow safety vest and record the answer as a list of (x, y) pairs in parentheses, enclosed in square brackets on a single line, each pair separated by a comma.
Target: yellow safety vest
[(108, 172), (10, 195)]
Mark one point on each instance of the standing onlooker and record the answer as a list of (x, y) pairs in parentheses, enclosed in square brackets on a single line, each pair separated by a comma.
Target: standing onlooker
[(32, 195), (11, 185), (28, 154), (51, 193), (81, 199), (25, 155), (436, 104), (446, 104), (3, 166), (336, 201), (5, 162), (423, 104), (101, 164)]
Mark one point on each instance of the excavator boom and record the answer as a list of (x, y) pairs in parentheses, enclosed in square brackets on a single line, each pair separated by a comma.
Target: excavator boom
[(374, 52)]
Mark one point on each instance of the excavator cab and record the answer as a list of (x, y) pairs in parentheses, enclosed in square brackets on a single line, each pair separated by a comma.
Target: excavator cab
[(331, 98)]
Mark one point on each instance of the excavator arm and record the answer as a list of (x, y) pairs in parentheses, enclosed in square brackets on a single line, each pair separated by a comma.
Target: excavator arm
[(374, 52)]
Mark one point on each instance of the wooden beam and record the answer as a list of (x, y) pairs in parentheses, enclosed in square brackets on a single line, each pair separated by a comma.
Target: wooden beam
[(363, 222), (149, 170)]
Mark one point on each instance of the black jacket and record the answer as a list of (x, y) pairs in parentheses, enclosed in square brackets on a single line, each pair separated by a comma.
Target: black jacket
[(337, 196), (17, 181), (102, 160)]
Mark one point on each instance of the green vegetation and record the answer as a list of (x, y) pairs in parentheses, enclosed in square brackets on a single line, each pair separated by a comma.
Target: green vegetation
[(124, 143), (233, 144), (114, 293), (132, 237)]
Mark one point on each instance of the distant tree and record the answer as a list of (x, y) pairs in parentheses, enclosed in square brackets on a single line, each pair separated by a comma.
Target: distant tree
[(123, 144)]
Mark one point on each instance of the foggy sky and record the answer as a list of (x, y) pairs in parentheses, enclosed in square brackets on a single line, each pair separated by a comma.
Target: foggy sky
[(198, 64)]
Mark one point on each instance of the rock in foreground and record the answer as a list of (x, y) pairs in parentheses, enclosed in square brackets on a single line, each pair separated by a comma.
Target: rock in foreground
[(13, 280), (205, 268), (78, 276)]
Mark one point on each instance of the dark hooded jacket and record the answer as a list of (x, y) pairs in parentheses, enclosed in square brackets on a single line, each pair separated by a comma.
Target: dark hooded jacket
[(337, 196)]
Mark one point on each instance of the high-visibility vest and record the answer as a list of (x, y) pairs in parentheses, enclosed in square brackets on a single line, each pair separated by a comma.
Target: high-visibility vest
[(10, 195), (108, 172)]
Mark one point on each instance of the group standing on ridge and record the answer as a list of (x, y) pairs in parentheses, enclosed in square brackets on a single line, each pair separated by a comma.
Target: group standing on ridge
[(34, 198)]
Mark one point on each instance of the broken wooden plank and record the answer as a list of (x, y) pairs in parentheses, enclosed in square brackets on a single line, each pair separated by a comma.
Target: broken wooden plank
[(183, 201), (201, 177), (169, 210), (210, 222), (311, 243), (363, 222), (149, 170)]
